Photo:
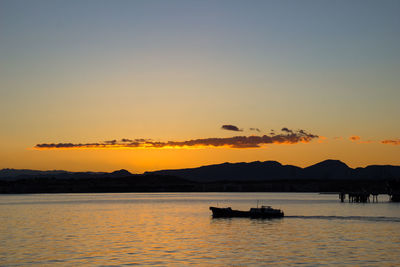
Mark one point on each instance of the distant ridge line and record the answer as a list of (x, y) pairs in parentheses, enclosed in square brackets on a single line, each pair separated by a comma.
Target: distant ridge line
[(273, 170), (240, 171), (268, 176)]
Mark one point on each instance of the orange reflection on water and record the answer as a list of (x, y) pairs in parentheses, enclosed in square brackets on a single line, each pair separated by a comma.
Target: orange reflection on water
[(177, 229)]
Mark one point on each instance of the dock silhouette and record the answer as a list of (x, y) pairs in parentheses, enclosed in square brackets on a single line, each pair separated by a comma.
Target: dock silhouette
[(365, 197)]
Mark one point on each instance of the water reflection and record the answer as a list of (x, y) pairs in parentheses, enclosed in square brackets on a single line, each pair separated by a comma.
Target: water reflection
[(178, 229)]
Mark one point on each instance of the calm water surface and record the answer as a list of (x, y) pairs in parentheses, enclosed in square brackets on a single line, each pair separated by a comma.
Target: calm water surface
[(177, 229)]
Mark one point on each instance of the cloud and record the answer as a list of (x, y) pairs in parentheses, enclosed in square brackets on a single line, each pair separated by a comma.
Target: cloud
[(284, 129), (231, 128), (357, 139), (289, 137), (395, 142), (354, 138), (255, 129)]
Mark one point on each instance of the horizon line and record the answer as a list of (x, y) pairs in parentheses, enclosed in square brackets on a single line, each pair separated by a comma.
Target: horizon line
[(185, 168)]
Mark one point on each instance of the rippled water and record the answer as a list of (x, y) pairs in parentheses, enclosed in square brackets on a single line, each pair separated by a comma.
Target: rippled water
[(177, 229)]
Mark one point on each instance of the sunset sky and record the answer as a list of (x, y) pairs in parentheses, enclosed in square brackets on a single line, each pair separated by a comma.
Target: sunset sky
[(147, 85)]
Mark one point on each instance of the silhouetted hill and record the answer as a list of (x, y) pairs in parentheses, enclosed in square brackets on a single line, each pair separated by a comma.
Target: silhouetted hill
[(268, 176), (272, 170), (253, 171), (244, 171), (328, 169), (374, 172), (121, 173)]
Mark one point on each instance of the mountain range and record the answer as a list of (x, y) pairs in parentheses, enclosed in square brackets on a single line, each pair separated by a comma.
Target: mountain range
[(274, 171), (251, 171)]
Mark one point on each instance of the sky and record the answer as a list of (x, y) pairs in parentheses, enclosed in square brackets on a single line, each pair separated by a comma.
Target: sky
[(148, 85)]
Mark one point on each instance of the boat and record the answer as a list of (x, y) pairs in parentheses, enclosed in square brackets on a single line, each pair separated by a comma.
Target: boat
[(263, 212)]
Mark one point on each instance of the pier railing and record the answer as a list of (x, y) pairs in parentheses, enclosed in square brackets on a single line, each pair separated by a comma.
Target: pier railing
[(365, 197)]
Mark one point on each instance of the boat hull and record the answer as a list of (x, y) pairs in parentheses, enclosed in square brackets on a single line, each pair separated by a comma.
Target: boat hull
[(228, 213), (252, 213)]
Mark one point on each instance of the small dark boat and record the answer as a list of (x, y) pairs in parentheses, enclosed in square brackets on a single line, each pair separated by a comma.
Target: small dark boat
[(263, 212)]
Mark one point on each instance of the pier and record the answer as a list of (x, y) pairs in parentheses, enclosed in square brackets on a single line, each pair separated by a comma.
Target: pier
[(365, 197), (358, 197)]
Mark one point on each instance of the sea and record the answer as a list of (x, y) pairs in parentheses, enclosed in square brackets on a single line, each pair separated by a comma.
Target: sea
[(177, 229)]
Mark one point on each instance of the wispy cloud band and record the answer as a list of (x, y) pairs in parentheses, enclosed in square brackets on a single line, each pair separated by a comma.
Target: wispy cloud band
[(395, 142), (288, 137)]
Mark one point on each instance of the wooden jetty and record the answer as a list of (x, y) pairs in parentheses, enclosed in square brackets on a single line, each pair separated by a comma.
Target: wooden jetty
[(363, 194), (359, 197), (364, 197)]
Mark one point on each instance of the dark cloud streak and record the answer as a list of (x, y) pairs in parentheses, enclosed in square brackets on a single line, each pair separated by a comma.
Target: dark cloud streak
[(231, 128), (289, 137)]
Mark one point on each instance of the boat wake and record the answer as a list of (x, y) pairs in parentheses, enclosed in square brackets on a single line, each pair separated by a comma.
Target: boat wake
[(350, 218)]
